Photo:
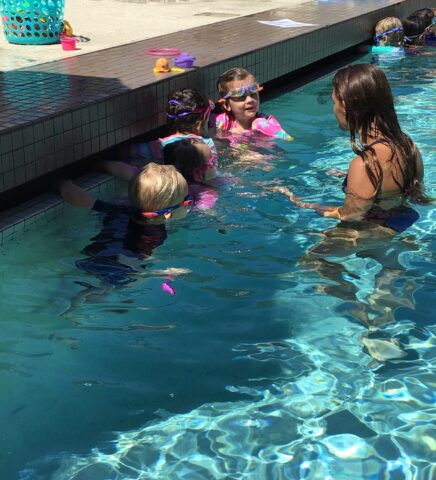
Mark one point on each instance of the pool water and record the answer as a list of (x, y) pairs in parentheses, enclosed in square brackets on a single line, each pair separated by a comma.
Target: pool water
[(268, 363)]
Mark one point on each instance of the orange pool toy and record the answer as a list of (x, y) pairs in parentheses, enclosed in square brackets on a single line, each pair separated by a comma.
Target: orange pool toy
[(162, 66)]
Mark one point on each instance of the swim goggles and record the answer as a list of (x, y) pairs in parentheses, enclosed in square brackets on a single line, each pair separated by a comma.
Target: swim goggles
[(411, 38), (242, 92), (205, 110), (155, 213), (388, 32)]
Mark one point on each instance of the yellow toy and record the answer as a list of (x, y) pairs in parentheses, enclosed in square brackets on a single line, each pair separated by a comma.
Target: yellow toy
[(163, 66), (67, 29)]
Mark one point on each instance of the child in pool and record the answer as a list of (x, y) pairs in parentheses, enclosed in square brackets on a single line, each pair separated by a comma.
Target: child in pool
[(415, 26), (158, 194), (188, 111), (191, 157), (239, 92), (388, 35)]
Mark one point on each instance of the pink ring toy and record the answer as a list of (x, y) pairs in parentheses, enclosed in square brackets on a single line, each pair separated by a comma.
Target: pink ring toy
[(163, 52)]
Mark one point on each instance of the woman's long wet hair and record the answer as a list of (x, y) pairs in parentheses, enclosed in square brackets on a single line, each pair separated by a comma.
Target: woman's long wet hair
[(185, 110), (369, 109)]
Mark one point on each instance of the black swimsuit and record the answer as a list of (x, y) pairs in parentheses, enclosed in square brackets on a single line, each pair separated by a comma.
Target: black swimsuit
[(397, 218)]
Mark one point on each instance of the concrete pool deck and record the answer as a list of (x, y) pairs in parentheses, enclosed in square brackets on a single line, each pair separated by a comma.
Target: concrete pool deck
[(111, 23), (56, 113)]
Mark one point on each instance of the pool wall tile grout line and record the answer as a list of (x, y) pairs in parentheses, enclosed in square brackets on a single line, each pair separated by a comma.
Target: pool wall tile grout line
[(55, 114)]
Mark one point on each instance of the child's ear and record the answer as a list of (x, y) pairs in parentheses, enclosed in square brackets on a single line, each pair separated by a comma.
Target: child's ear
[(168, 216), (198, 127), (226, 106)]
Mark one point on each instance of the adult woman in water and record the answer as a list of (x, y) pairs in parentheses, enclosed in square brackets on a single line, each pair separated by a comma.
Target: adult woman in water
[(387, 170)]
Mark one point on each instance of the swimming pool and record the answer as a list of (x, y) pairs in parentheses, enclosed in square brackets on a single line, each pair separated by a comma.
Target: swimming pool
[(257, 367)]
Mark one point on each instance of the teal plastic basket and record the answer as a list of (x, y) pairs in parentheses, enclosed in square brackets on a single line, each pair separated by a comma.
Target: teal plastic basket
[(32, 22)]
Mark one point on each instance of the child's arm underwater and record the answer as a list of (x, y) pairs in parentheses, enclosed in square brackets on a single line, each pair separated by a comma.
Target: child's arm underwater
[(120, 170), (75, 195)]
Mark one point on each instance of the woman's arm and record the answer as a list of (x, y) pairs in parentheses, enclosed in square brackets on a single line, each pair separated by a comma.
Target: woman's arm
[(299, 203), (359, 196)]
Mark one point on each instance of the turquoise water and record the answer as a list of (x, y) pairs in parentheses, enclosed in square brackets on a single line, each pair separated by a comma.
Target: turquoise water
[(257, 368)]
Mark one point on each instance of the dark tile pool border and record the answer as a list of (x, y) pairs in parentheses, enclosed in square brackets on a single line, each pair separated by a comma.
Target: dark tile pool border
[(55, 114)]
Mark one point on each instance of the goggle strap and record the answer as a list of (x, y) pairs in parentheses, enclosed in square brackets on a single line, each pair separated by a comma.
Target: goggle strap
[(186, 202), (388, 32)]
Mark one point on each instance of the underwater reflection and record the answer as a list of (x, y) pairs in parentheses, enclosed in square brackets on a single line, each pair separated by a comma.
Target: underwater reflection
[(362, 267)]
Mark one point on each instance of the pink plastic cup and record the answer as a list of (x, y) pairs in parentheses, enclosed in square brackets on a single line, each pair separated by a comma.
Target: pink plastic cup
[(68, 43)]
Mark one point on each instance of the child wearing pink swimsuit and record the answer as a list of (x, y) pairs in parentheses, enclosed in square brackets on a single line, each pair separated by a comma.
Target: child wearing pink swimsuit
[(239, 92)]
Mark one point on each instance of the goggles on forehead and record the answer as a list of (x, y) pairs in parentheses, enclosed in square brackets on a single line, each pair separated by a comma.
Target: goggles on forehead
[(155, 213), (379, 36), (205, 110), (244, 91)]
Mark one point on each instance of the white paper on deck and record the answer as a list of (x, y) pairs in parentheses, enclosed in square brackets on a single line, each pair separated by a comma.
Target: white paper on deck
[(287, 23)]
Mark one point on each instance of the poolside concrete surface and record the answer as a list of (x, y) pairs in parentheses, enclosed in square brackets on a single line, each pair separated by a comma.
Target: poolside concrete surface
[(110, 23)]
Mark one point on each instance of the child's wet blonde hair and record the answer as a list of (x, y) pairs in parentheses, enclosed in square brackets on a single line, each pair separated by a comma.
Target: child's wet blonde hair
[(156, 187), (394, 39)]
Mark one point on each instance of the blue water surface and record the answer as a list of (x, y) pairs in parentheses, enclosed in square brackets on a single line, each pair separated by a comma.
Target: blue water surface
[(270, 362)]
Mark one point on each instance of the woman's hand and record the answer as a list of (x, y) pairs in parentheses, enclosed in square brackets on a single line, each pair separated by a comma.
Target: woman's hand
[(284, 191), (333, 212), (324, 210), (335, 172)]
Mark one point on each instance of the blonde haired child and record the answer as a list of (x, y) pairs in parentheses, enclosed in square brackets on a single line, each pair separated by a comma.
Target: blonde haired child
[(388, 32), (159, 193)]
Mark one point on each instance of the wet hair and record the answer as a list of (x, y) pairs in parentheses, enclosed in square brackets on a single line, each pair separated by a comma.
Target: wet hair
[(426, 14), (154, 188), (414, 26), (185, 110), (369, 106), (394, 39), (185, 156), (230, 76)]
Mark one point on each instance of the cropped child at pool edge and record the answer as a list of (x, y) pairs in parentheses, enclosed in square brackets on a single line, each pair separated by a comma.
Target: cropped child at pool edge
[(157, 195), (240, 101)]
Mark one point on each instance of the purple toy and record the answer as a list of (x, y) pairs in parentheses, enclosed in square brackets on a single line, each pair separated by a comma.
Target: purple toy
[(184, 60)]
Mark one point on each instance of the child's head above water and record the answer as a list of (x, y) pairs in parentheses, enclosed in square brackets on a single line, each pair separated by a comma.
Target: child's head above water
[(388, 32), (239, 92), (188, 111), (157, 194), (427, 14), (415, 26), (192, 158)]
